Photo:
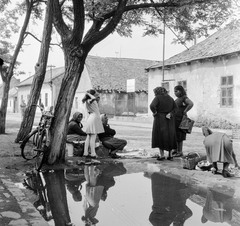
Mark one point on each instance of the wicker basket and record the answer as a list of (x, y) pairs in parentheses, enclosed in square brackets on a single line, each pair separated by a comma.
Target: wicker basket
[(190, 160)]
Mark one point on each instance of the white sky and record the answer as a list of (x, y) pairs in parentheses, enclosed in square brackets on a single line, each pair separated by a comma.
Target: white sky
[(113, 46)]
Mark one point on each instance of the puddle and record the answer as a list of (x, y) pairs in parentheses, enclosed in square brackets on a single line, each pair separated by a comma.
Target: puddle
[(107, 195)]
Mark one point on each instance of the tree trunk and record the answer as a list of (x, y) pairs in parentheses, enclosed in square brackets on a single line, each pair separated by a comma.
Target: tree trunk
[(40, 70), (10, 70), (73, 70), (3, 110), (56, 191)]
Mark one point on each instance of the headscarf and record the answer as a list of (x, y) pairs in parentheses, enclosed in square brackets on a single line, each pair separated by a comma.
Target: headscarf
[(206, 131), (160, 91), (102, 116), (76, 115)]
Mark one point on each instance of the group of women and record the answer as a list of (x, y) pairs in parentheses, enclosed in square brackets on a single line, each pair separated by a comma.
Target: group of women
[(168, 114), (167, 136)]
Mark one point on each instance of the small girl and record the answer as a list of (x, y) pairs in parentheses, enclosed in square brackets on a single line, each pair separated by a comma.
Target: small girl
[(93, 123)]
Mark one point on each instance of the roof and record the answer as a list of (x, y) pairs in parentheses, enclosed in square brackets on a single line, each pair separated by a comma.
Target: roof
[(108, 73), (223, 42), (50, 74)]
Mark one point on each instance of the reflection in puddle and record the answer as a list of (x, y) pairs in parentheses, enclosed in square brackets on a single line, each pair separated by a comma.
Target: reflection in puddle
[(108, 195)]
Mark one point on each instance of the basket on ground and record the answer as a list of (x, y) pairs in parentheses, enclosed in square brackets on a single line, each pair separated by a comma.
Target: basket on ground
[(190, 160)]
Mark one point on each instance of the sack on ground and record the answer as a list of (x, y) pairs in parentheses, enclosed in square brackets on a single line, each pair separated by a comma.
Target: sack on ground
[(204, 165), (78, 149), (186, 124)]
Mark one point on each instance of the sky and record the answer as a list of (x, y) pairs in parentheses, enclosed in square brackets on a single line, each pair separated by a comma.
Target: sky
[(138, 47)]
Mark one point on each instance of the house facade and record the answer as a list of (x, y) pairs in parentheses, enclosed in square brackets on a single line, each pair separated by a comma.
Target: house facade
[(12, 95), (106, 75), (210, 73)]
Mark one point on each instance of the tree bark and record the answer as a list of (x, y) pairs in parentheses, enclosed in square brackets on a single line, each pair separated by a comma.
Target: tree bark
[(3, 110), (74, 65), (40, 70)]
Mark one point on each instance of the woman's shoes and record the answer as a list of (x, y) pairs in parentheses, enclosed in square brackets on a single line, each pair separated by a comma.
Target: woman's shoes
[(178, 155), (170, 158), (226, 173), (159, 158), (214, 170), (114, 156), (90, 156)]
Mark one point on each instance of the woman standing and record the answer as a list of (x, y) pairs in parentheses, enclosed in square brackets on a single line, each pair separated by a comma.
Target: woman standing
[(163, 131), (184, 104), (94, 123)]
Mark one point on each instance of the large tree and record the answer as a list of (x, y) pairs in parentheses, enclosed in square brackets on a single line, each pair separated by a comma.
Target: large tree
[(39, 76), (28, 6), (187, 17)]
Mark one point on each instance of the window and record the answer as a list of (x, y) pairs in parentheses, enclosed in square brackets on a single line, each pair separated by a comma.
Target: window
[(183, 84), (46, 99), (76, 102), (165, 85), (227, 91), (40, 99)]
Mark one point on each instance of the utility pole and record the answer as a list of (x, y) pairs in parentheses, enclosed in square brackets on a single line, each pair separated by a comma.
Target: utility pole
[(163, 56), (50, 84)]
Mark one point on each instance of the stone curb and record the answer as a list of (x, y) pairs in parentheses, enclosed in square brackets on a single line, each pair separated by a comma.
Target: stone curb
[(34, 218)]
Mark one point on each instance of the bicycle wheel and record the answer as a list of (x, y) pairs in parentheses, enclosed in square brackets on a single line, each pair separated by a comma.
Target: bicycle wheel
[(28, 145), (41, 151)]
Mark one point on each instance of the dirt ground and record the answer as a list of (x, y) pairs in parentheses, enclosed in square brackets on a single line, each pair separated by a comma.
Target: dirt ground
[(14, 166)]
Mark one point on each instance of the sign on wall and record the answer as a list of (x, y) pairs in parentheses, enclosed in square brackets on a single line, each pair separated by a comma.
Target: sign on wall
[(130, 85)]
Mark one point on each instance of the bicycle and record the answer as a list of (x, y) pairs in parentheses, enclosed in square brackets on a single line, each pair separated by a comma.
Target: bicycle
[(34, 145)]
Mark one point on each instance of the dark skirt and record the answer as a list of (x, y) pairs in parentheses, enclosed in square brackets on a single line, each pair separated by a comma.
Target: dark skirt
[(163, 133), (181, 135)]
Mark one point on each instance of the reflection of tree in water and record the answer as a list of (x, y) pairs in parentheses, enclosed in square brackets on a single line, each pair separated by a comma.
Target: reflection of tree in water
[(218, 207), (99, 180), (51, 190), (55, 183), (169, 201)]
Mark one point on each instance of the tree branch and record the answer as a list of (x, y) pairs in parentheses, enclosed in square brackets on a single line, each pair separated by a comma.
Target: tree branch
[(52, 44), (58, 21), (79, 17), (94, 35), (154, 5)]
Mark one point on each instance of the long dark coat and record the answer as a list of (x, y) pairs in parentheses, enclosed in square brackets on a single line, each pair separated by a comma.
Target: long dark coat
[(163, 131)]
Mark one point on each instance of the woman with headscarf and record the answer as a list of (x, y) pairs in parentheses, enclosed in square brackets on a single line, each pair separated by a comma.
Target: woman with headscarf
[(75, 132), (219, 148), (93, 123), (184, 104), (163, 131)]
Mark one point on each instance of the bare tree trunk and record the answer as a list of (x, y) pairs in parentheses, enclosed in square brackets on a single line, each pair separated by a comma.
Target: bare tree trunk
[(73, 70), (40, 70), (10, 70), (3, 110)]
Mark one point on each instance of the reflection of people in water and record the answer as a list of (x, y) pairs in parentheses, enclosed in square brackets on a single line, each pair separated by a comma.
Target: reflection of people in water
[(74, 179), (217, 208), (99, 180), (169, 201), (93, 194)]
